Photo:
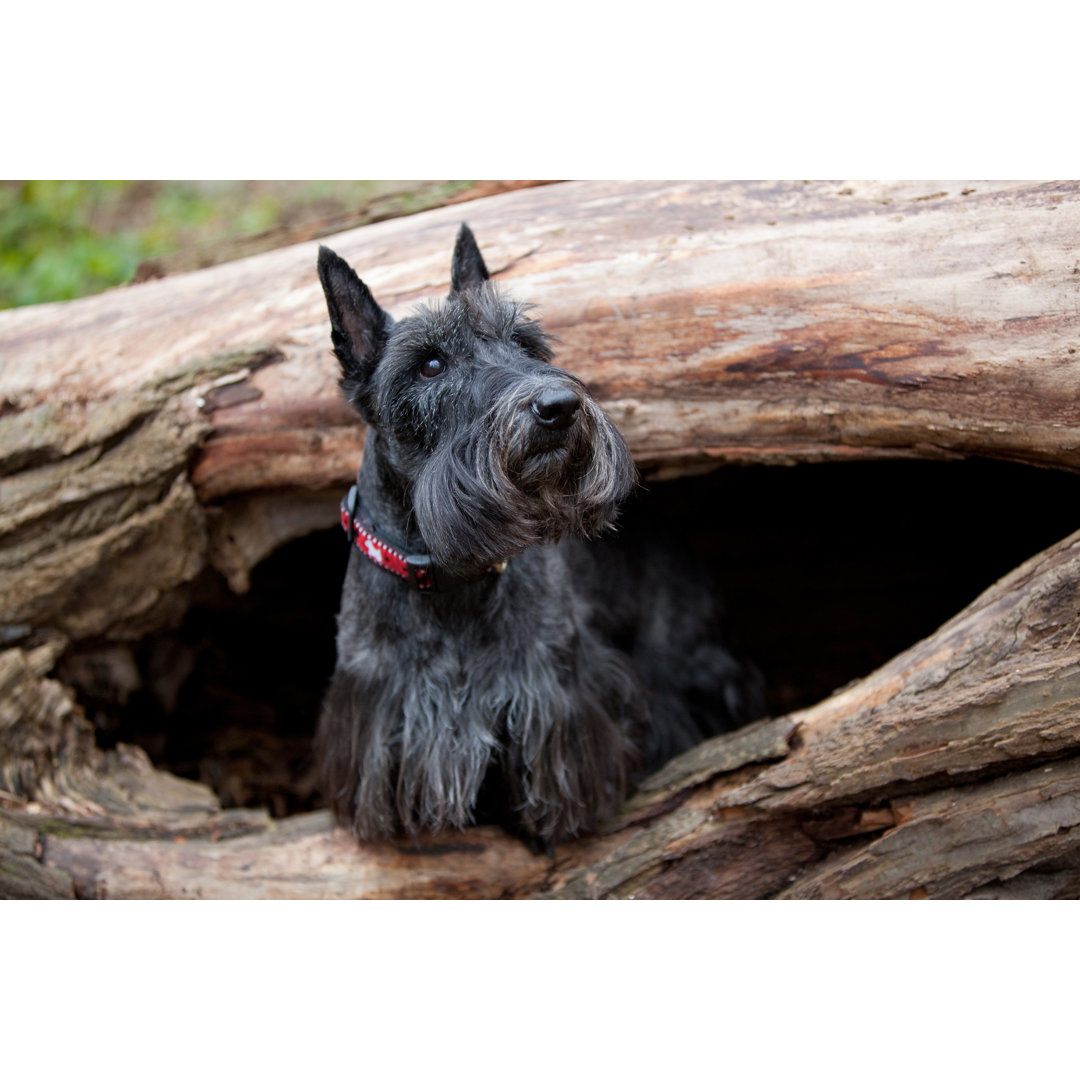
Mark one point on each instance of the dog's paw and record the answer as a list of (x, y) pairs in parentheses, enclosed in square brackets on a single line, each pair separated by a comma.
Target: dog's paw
[(540, 845)]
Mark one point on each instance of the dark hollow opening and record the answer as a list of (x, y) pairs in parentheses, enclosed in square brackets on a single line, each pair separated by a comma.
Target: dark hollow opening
[(827, 571), (231, 696)]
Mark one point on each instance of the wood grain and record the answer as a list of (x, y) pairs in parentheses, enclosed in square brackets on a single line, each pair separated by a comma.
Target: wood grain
[(154, 430), (952, 771)]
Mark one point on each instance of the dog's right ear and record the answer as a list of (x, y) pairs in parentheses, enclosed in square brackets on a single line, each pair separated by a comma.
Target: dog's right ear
[(359, 328)]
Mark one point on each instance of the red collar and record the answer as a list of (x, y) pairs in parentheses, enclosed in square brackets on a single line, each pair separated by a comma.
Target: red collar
[(414, 568)]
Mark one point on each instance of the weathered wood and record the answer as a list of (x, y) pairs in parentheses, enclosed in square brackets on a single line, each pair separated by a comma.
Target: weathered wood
[(717, 322), (154, 430), (399, 200), (952, 771), (22, 873)]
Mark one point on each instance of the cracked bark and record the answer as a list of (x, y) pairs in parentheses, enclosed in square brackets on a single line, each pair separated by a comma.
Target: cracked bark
[(151, 430)]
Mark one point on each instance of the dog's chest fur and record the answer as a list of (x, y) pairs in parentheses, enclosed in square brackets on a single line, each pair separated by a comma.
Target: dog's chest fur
[(479, 687)]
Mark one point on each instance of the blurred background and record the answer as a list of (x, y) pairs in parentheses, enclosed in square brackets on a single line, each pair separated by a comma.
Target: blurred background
[(60, 239)]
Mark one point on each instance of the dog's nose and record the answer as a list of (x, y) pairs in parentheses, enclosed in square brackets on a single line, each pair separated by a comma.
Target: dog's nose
[(556, 408)]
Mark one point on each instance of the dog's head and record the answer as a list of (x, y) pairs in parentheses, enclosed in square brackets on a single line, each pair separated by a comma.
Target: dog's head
[(496, 448)]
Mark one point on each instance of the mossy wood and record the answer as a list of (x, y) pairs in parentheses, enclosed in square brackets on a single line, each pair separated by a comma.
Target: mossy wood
[(153, 430)]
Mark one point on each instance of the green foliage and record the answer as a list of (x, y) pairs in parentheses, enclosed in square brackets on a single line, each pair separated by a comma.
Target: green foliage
[(60, 239), (51, 247)]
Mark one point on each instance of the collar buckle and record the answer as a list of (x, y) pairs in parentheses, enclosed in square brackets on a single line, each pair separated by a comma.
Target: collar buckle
[(348, 512)]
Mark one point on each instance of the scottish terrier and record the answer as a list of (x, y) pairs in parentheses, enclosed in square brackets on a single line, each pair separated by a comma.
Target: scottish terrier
[(492, 665)]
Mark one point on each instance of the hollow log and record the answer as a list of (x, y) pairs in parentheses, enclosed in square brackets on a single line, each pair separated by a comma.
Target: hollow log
[(952, 771), (154, 430)]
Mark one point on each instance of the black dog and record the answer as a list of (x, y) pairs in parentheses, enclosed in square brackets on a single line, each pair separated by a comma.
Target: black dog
[(491, 666)]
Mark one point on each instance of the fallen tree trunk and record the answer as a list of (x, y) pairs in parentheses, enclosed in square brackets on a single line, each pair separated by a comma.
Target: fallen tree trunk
[(950, 772), (717, 323), (151, 431)]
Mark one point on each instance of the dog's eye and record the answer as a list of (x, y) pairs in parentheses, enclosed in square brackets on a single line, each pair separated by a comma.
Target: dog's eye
[(432, 366)]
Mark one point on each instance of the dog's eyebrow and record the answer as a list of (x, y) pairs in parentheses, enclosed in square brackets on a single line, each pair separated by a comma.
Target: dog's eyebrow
[(425, 333), (532, 337)]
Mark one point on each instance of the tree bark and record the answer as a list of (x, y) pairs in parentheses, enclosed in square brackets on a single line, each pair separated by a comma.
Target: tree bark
[(950, 772), (717, 323), (155, 429)]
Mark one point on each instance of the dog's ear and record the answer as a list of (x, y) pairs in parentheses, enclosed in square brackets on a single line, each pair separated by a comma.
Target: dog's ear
[(467, 269), (358, 326)]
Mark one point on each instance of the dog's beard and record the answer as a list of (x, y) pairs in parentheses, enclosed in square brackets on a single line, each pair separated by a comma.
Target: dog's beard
[(488, 494)]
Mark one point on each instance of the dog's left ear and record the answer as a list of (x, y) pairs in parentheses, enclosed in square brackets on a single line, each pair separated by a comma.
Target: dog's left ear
[(359, 328), (467, 269)]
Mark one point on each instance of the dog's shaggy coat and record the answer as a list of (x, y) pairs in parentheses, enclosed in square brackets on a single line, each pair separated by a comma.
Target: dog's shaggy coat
[(531, 696)]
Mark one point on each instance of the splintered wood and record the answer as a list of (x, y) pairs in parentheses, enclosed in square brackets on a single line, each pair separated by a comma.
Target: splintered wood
[(154, 430)]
